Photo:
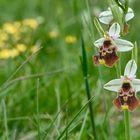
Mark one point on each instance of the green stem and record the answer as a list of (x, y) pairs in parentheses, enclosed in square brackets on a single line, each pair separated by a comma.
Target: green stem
[(127, 125), (126, 6), (120, 5), (85, 74), (118, 71), (125, 9), (136, 52)]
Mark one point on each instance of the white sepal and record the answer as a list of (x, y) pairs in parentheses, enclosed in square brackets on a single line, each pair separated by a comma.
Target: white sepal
[(123, 45), (98, 43), (136, 84), (114, 30), (113, 85), (106, 17), (129, 15), (130, 69)]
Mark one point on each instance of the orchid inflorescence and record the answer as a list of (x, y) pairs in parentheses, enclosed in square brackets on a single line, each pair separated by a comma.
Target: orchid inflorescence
[(109, 45)]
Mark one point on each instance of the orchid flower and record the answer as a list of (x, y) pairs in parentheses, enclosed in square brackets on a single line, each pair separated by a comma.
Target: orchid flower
[(106, 17), (126, 87), (109, 45)]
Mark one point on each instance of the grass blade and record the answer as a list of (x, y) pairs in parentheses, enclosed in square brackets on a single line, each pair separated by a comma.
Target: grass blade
[(37, 111), (83, 125), (69, 124), (85, 74), (5, 120)]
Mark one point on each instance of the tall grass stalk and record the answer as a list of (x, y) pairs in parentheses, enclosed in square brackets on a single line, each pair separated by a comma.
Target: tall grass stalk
[(92, 37), (37, 111), (83, 125), (5, 120), (85, 74)]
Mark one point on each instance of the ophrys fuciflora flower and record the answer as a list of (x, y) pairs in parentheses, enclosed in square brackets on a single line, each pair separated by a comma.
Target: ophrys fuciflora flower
[(109, 45), (126, 87)]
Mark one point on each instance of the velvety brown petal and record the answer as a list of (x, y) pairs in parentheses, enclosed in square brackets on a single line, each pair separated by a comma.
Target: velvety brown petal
[(117, 103), (133, 103), (110, 58), (106, 56), (130, 100)]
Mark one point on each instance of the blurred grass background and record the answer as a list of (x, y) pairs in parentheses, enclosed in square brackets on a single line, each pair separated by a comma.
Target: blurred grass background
[(51, 79)]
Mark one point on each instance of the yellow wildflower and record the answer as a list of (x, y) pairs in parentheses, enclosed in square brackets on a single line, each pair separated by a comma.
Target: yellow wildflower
[(32, 23), (3, 36), (53, 34), (21, 47), (10, 28), (17, 24), (14, 53), (70, 39), (7, 53), (4, 54)]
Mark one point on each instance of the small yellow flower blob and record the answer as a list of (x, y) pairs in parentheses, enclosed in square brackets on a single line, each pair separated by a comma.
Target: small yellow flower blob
[(7, 53), (3, 38), (53, 34), (32, 23), (102, 62), (3, 35), (70, 39), (17, 24), (21, 47), (14, 53), (10, 28), (4, 54), (124, 107)]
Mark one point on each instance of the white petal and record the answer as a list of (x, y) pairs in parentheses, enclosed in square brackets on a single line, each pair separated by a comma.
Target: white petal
[(129, 15), (98, 43), (123, 45), (113, 85), (130, 69), (136, 84), (114, 30), (106, 17)]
